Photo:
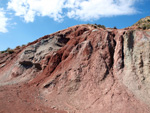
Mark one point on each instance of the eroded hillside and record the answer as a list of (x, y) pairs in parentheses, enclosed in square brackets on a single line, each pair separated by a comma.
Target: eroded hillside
[(81, 69)]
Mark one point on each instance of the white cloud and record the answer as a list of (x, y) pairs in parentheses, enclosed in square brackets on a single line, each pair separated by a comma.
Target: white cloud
[(28, 9), (95, 9), (78, 9), (3, 21)]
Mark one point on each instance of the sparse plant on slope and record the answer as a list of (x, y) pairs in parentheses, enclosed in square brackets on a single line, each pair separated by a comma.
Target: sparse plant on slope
[(97, 25), (144, 23), (8, 50)]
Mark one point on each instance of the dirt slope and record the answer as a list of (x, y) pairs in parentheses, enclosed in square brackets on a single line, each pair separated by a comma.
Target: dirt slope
[(81, 69)]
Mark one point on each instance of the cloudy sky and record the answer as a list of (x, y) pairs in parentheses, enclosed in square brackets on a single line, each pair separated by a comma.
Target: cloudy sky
[(23, 21)]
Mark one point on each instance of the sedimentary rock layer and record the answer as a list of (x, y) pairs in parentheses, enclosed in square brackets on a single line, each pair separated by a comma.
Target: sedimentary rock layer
[(81, 69)]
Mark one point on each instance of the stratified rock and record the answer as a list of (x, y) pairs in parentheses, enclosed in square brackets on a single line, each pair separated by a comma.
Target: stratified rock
[(136, 74), (81, 69)]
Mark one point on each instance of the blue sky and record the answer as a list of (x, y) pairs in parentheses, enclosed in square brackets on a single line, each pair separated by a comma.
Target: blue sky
[(23, 21)]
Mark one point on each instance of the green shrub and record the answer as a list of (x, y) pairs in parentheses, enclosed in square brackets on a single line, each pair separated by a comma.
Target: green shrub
[(145, 26), (3, 51), (18, 47), (115, 27), (10, 51), (148, 20), (101, 26), (97, 26)]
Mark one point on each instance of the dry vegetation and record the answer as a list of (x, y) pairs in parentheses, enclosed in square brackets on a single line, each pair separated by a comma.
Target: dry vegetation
[(143, 23)]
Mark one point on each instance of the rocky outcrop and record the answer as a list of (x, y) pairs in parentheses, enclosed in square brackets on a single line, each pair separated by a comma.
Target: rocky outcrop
[(136, 74), (81, 69)]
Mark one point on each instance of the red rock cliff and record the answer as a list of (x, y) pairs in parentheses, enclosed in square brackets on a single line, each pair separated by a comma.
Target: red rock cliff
[(81, 69)]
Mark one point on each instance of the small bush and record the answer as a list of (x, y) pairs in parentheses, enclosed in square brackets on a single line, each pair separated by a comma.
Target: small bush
[(148, 20), (10, 51), (101, 26), (146, 26), (18, 47), (3, 51), (97, 26), (115, 27), (23, 45)]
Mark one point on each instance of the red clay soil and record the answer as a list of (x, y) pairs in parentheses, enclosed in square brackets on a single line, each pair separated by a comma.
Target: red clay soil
[(82, 69), (22, 99)]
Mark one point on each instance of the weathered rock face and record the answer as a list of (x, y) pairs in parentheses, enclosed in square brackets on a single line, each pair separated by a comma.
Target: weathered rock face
[(82, 70), (136, 74)]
